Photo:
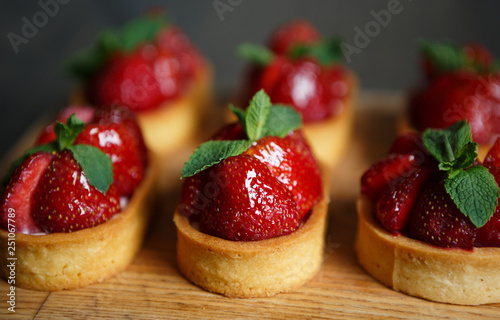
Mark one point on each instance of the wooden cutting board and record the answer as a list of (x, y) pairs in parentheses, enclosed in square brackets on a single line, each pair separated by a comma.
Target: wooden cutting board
[(153, 288)]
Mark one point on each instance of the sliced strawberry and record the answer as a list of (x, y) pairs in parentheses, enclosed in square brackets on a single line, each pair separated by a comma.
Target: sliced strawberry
[(115, 140), (64, 200), (84, 113), (493, 156), (380, 175), (246, 202), (437, 220), (395, 205), (489, 234), (291, 161), (19, 194), (291, 34)]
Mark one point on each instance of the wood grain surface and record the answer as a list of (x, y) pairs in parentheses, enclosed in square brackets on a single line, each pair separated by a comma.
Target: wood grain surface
[(152, 287)]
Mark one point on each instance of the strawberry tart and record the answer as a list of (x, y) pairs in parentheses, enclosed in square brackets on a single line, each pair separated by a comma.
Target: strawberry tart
[(429, 218), (304, 70), (252, 214), (75, 206)]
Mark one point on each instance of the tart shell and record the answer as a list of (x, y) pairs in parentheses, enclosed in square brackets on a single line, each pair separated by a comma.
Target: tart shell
[(58, 261), (453, 276), (253, 268)]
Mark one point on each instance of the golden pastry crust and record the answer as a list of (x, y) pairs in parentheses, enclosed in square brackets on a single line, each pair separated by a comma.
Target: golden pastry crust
[(254, 268), (403, 125), (329, 138), (444, 275), (59, 261)]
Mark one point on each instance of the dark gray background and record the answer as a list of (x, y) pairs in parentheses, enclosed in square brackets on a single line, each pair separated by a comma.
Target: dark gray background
[(32, 80)]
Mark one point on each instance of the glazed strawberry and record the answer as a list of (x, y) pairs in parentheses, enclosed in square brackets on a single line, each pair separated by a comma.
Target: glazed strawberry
[(120, 145), (462, 84), (291, 34), (18, 195), (65, 201), (395, 205), (251, 205), (256, 179), (290, 159), (123, 117), (84, 113), (437, 220), (306, 75), (456, 96), (379, 176), (144, 65)]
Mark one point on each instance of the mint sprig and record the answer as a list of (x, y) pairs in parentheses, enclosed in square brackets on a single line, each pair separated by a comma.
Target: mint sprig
[(472, 188), (96, 165), (448, 57), (86, 63), (256, 54), (259, 120), (326, 52)]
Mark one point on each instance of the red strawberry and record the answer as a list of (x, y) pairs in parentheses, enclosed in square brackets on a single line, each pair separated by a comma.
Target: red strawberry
[(394, 206), (65, 201), (437, 220), (480, 57), (408, 143), (84, 113), (115, 140), (493, 156), (291, 161), (456, 96), (380, 175), (194, 196), (291, 34), (124, 117), (315, 91), (139, 81), (247, 202), (489, 234), (19, 194)]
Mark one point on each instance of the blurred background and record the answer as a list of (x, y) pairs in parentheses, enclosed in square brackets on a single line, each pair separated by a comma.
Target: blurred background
[(33, 81)]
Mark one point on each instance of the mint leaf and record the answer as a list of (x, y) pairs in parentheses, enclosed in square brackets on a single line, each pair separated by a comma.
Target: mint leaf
[(449, 145), (240, 114), (211, 153), (256, 54), (326, 52), (444, 57), (475, 193), (96, 165), (67, 133), (50, 147), (256, 115), (281, 120), (86, 63)]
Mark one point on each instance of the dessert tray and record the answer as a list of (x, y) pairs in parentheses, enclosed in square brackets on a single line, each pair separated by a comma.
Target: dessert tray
[(152, 287)]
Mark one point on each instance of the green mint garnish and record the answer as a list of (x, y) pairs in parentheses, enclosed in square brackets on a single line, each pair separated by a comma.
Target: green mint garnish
[(144, 29), (472, 188), (257, 54), (96, 165), (448, 57), (326, 52), (259, 120)]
